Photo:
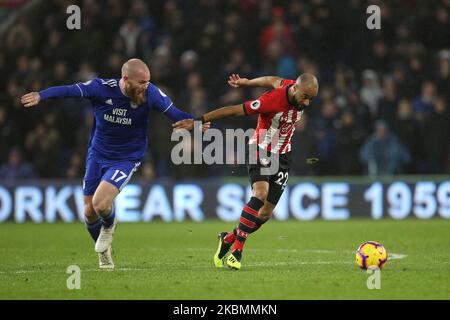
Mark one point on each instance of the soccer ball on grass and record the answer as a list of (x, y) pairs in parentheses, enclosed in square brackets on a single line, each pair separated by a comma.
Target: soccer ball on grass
[(371, 254)]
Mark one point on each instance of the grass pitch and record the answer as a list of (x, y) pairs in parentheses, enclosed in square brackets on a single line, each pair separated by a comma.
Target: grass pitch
[(283, 260)]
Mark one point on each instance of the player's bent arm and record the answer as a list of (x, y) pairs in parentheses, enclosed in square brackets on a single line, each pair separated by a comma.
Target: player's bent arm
[(267, 81), (224, 112)]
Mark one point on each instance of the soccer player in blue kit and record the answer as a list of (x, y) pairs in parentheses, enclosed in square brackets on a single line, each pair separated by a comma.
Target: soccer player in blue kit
[(118, 141)]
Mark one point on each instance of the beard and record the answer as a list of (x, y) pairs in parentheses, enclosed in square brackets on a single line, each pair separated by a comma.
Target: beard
[(300, 107), (136, 95)]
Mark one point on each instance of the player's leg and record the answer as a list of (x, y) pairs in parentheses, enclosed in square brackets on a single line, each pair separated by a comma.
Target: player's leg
[(265, 213), (277, 184), (92, 220), (102, 203), (91, 181), (116, 177), (247, 221), (251, 220), (106, 192)]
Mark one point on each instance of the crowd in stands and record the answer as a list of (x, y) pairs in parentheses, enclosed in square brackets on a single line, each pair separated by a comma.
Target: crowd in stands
[(382, 109)]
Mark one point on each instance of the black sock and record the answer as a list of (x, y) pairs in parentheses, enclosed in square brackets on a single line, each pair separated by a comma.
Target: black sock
[(258, 223), (94, 228), (247, 222), (108, 220)]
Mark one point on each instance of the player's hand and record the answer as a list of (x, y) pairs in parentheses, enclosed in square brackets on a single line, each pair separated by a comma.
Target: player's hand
[(186, 124), (235, 81), (206, 126), (30, 99)]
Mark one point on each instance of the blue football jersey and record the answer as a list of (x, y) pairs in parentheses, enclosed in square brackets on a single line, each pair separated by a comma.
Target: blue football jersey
[(120, 126)]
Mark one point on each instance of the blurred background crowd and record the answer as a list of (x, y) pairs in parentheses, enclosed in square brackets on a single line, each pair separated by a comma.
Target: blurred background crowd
[(382, 109)]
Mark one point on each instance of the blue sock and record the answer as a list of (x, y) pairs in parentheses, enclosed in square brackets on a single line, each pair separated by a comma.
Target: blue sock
[(94, 228), (108, 220)]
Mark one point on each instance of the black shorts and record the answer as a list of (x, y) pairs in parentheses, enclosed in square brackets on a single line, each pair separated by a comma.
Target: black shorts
[(277, 181)]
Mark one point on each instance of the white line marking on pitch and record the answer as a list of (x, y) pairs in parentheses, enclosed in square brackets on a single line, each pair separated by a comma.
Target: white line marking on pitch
[(391, 256), (396, 256)]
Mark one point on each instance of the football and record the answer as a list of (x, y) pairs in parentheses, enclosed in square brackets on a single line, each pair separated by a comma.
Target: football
[(371, 254)]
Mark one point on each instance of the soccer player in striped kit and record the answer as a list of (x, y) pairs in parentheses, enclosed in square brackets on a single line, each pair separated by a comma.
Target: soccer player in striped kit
[(118, 142), (278, 109)]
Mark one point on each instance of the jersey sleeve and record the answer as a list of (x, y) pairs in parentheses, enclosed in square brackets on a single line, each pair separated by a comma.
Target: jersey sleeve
[(286, 82), (80, 90), (162, 103), (90, 89), (158, 99), (268, 102)]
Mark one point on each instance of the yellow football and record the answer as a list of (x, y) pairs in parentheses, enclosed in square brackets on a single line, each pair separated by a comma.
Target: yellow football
[(371, 254)]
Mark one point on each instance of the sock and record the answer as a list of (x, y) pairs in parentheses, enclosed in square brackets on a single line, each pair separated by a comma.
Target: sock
[(94, 228), (108, 220), (247, 222), (259, 222), (231, 236)]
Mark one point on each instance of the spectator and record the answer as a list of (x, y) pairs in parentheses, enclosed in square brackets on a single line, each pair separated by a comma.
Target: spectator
[(282, 38), (76, 168), (407, 131), (360, 110), (7, 136), (423, 105), (437, 137), (371, 91), (308, 148), (382, 153), (443, 73), (20, 39), (130, 32), (325, 128), (279, 32), (16, 168), (148, 171), (349, 138), (381, 59), (42, 145), (387, 106)]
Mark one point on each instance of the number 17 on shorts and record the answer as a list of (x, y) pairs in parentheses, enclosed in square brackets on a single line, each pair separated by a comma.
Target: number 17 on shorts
[(120, 174)]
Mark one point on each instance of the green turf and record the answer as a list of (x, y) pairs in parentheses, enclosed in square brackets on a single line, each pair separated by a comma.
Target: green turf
[(283, 260)]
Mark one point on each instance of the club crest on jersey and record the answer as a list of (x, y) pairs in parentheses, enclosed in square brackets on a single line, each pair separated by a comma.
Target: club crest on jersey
[(255, 104)]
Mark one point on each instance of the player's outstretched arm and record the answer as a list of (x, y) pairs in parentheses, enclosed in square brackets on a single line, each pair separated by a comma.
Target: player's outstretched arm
[(33, 98), (175, 114), (224, 112), (268, 82)]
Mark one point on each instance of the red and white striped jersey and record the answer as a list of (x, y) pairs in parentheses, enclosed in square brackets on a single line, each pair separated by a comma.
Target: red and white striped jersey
[(276, 121)]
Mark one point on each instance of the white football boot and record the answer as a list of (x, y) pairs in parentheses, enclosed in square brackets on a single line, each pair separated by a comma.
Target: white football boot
[(105, 259), (105, 238)]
